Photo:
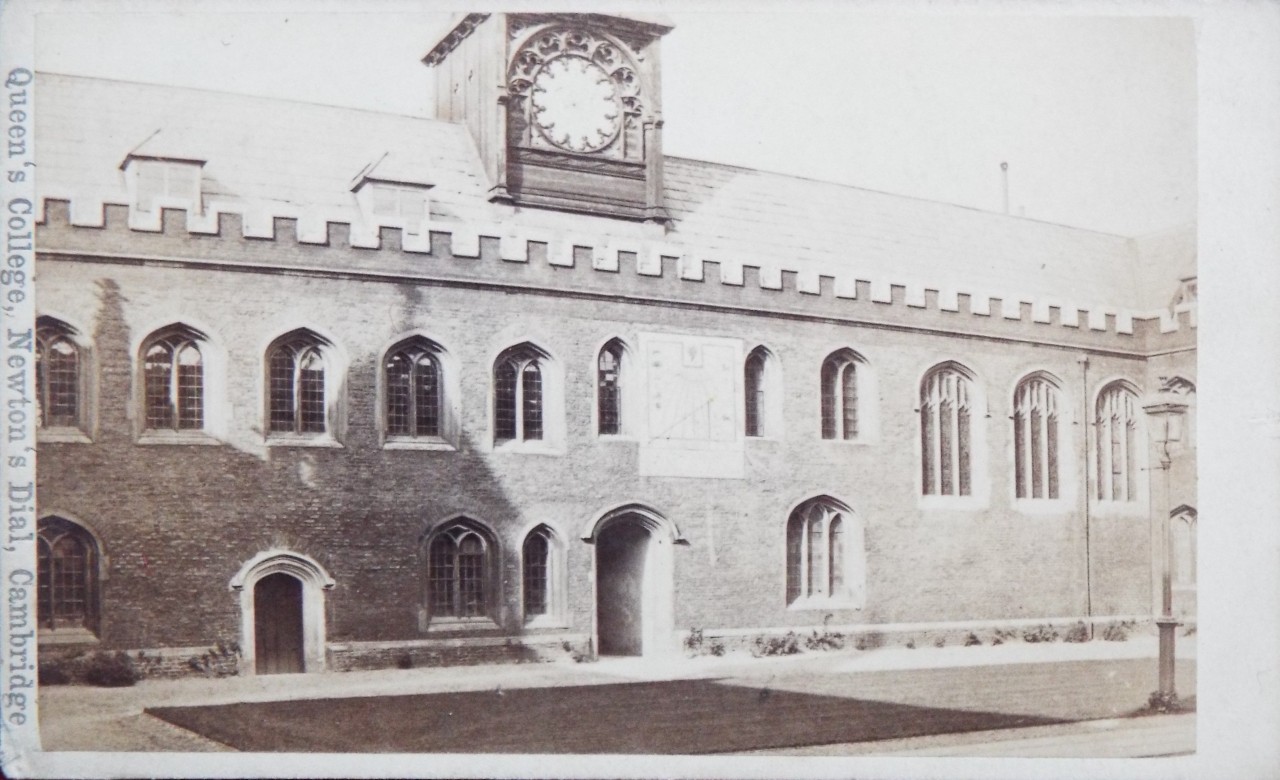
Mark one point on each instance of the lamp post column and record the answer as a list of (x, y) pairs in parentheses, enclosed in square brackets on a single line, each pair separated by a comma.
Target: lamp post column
[(1162, 410)]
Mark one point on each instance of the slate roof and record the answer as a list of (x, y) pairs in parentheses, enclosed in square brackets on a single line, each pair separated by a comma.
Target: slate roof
[(290, 158)]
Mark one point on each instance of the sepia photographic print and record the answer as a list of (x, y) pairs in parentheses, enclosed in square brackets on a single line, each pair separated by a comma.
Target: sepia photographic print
[(592, 391)]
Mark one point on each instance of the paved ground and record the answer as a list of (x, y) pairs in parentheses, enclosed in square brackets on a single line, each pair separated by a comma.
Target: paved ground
[(1049, 679)]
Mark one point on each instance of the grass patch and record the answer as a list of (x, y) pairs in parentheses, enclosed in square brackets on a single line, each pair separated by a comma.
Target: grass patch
[(671, 717)]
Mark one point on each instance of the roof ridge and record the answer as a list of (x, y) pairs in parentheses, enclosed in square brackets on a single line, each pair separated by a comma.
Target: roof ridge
[(245, 95), (918, 198)]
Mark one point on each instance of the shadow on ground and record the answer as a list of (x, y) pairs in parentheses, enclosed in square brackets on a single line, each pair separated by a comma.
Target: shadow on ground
[(674, 717)]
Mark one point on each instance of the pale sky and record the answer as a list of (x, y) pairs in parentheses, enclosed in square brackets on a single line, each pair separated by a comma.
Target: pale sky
[(1095, 116)]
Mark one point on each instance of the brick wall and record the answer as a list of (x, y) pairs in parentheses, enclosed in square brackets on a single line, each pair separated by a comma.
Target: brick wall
[(178, 521)]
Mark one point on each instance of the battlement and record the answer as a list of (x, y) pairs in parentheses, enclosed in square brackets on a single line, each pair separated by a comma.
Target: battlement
[(642, 269)]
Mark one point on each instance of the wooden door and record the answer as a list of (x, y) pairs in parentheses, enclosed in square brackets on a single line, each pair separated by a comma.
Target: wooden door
[(620, 570), (277, 609)]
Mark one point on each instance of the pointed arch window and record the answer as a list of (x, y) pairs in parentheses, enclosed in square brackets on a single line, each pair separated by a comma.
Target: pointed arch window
[(1116, 444), (59, 396), (824, 562), (173, 381), (840, 396), (518, 401), (296, 389), (946, 432), (414, 395), (1036, 431), (609, 389), (754, 392), (458, 561), (67, 576)]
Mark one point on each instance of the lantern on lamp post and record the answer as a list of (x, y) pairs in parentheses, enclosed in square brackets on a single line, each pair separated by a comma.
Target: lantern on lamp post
[(1165, 410)]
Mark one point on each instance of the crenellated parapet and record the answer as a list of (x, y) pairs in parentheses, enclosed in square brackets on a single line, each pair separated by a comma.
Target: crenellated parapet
[(639, 269)]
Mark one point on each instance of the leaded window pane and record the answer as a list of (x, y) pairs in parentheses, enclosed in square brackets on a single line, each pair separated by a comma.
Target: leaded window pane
[(399, 395), (57, 379), (929, 448), (44, 583), (190, 388), (281, 412), (829, 399), (817, 559), (311, 408), (753, 385), (441, 577), (849, 400), (531, 387), (609, 392), (157, 376), (537, 553), (795, 557), (837, 555), (504, 402), (426, 397), (471, 576)]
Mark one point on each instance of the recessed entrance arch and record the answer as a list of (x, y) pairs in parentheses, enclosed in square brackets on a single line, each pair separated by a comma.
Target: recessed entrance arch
[(277, 624), (634, 566), (282, 613)]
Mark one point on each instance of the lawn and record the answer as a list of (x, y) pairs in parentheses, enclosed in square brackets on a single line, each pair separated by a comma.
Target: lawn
[(673, 717)]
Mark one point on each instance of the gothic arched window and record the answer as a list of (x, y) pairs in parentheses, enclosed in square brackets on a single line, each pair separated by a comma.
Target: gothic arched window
[(67, 576), (1116, 443), (824, 555), (58, 364), (518, 395), (754, 392), (458, 560), (414, 391), (173, 380), (840, 396), (1036, 433), (609, 388), (946, 432), (296, 367)]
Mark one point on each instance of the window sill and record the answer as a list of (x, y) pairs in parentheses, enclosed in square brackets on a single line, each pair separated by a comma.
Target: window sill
[(62, 436), (66, 636), (1043, 506), (616, 437), (177, 437), (431, 444), (322, 441), (957, 503), (456, 625), (861, 441), (528, 448), (805, 603)]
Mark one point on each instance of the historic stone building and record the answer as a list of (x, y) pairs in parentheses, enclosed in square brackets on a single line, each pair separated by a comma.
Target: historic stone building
[(348, 388)]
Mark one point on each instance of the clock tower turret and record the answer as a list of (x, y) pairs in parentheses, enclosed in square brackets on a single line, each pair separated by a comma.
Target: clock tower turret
[(566, 109)]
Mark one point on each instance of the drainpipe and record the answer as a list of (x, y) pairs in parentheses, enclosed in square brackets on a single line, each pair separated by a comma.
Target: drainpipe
[(1083, 360)]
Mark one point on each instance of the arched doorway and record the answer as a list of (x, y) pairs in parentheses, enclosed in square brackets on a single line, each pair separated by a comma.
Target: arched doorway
[(282, 620), (277, 615), (634, 593)]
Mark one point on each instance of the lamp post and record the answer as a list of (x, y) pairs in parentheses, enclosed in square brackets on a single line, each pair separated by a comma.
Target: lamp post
[(1165, 409)]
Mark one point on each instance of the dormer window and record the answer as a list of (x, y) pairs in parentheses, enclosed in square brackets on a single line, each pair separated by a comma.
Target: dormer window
[(390, 196), (399, 200), (156, 182)]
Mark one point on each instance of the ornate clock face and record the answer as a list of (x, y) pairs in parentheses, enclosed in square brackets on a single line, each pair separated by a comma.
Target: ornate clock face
[(575, 104)]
